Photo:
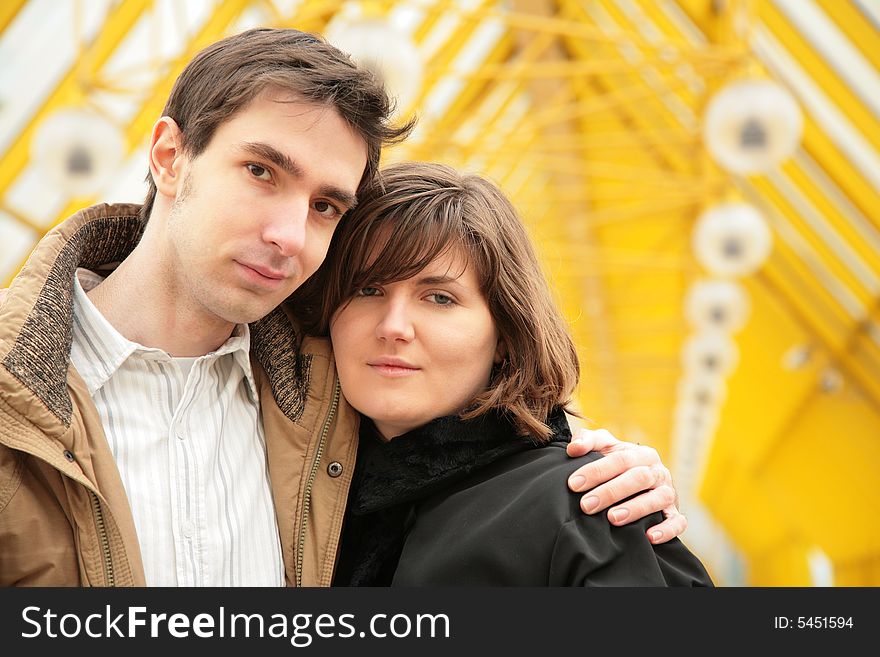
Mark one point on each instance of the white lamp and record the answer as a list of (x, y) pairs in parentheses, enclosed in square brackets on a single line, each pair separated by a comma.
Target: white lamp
[(712, 353), (731, 239), (701, 390), (752, 125), (385, 50), (78, 149), (720, 305)]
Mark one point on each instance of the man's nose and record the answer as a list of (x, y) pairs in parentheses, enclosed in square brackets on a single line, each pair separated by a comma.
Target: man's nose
[(286, 228)]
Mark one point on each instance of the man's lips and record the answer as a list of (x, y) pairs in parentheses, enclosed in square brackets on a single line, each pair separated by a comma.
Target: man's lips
[(262, 275), (266, 272)]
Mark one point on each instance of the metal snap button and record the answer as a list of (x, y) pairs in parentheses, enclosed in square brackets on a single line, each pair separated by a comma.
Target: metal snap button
[(334, 469)]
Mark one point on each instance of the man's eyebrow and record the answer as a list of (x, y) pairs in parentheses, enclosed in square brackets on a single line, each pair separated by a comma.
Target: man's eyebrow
[(346, 199), (268, 152)]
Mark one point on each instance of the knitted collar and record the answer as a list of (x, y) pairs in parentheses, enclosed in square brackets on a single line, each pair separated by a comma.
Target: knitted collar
[(424, 460)]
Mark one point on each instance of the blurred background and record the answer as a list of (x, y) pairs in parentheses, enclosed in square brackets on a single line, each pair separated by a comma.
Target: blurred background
[(702, 179)]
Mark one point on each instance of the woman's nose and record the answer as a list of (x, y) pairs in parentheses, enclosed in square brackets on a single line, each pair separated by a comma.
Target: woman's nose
[(395, 322)]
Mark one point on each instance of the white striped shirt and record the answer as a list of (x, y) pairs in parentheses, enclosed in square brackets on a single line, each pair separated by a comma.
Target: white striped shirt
[(188, 440)]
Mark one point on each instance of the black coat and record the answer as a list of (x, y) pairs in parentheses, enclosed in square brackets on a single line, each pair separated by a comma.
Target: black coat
[(458, 503)]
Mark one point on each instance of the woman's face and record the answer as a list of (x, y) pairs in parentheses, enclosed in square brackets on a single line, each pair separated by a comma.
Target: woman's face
[(418, 349)]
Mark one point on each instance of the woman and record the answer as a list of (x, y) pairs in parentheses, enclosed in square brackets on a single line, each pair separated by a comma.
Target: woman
[(448, 342)]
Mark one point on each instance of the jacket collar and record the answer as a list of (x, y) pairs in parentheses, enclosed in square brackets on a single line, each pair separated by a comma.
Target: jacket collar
[(36, 318), (422, 461), (39, 308)]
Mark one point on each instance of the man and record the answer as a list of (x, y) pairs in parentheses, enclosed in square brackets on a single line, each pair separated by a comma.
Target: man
[(162, 421)]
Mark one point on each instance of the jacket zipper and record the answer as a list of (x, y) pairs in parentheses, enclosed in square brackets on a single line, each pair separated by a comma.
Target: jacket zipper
[(307, 496), (105, 541)]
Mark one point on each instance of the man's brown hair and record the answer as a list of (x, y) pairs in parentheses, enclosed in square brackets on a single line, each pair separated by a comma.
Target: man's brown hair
[(413, 212), (227, 75)]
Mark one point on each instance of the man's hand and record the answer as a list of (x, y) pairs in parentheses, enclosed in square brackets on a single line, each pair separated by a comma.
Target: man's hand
[(626, 469)]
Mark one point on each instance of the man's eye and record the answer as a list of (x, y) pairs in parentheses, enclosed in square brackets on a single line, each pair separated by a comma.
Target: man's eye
[(259, 172), (327, 209)]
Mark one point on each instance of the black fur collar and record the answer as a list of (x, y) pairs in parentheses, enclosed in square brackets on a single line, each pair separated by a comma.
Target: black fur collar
[(418, 463), (392, 477)]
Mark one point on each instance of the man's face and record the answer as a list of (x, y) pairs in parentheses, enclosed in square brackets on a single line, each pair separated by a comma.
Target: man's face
[(255, 212)]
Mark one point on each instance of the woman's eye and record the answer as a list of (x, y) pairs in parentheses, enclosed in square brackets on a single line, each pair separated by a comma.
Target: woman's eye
[(326, 209), (259, 172), (368, 292), (441, 299)]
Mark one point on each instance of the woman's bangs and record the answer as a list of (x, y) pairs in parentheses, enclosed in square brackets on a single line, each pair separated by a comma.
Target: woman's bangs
[(399, 248)]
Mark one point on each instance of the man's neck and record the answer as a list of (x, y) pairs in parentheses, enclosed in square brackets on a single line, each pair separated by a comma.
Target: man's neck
[(145, 309)]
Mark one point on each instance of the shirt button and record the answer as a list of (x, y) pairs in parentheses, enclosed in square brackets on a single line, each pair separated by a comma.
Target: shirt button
[(69, 455), (188, 529), (334, 469), (179, 433)]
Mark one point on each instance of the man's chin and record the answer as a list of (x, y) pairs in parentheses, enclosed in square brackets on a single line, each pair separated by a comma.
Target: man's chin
[(244, 314)]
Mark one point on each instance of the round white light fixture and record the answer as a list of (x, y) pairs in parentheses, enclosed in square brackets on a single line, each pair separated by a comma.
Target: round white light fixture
[(752, 125), (711, 353), (79, 150), (720, 305), (831, 381), (703, 391), (385, 50), (797, 357), (731, 239), (693, 419)]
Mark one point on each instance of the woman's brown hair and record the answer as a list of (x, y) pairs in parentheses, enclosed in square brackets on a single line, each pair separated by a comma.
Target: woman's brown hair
[(413, 212)]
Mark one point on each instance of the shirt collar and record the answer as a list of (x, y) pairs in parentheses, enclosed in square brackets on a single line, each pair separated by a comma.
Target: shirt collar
[(91, 327), (239, 345)]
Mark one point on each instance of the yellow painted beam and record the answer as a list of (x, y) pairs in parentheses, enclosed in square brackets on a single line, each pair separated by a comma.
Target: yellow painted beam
[(8, 11), (69, 91), (841, 170), (840, 219), (831, 83), (435, 133), (852, 22), (821, 254)]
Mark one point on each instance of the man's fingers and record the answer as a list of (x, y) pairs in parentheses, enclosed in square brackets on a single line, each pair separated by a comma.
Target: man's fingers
[(674, 525), (606, 469), (586, 440), (651, 501), (627, 484)]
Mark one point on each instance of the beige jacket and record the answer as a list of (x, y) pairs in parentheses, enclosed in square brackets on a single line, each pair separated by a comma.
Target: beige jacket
[(64, 516)]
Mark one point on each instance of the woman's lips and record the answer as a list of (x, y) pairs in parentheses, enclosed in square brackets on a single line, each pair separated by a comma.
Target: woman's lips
[(392, 367)]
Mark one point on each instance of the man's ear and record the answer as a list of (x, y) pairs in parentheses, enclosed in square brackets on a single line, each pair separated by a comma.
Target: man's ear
[(500, 352), (166, 156)]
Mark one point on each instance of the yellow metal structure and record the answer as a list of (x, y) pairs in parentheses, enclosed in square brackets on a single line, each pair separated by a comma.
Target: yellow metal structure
[(589, 114)]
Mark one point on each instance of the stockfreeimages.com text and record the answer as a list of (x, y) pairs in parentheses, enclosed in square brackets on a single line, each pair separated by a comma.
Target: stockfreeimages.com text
[(300, 629)]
